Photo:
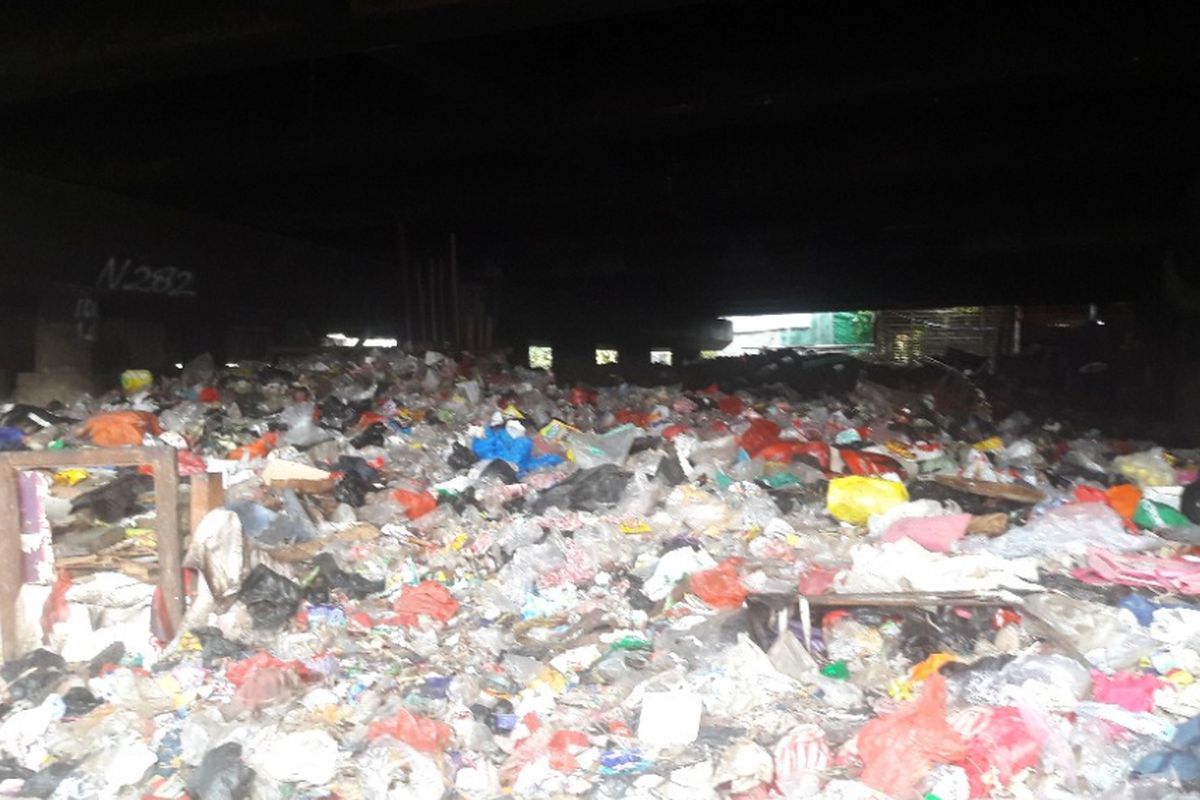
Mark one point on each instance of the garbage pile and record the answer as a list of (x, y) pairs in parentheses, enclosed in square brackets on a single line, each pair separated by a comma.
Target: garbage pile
[(436, 577)]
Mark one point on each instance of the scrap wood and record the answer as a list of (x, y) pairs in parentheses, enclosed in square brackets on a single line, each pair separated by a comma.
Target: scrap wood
[(1016, 492)]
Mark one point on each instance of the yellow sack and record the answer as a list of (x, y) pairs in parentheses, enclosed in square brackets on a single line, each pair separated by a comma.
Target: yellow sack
[(854, 498)]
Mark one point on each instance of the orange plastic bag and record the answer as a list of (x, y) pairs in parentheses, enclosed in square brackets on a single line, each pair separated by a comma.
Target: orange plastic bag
[(1124, 499), (417, 504), (899, 749), (120, 428), (720, 587), (419, 733), (257, 449), (428, 598)]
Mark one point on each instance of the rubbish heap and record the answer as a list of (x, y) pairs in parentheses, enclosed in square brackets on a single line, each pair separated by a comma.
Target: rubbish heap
[(436, 577)]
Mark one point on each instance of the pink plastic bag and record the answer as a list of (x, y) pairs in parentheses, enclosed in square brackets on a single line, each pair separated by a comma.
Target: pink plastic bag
[(1132, 691), (937, 534), (898, 750)]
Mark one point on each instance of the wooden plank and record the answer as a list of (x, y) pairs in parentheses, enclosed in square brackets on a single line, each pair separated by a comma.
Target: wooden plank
[(93, 457), (1016, 492), (208, 493), (166, 528), (10, 559)]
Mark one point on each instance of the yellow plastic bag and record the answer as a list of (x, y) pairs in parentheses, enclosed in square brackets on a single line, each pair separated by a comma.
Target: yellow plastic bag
[(136, 380), (854, 498)]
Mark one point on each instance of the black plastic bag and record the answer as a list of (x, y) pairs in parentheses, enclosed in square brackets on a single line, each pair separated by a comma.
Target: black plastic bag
[(46, 781), (461, 457), (670, 471), (1189, 503), (214, 646), (374, 435), (499, 468), (34, 676), (109, 655), (115, 500), (330, 576), (79, 702), (358, 478), (221, 775), (32, 419), (586, 490), (270, 598)]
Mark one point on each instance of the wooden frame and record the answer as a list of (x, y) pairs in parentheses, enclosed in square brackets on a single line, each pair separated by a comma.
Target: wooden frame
[(166, 504)]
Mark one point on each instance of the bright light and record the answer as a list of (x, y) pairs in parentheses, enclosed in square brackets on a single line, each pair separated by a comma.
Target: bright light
[(1101, 322), (380, 341), (604, 356), (341, 340), (541, 357), (179, 365), (663, 357), (232, 364)]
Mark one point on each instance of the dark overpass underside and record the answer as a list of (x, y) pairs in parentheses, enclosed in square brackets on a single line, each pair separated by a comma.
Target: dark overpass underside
[(609, 160)]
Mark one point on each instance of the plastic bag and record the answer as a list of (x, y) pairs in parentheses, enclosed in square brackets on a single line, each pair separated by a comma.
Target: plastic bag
[(854, 498), (720, 587), (591, 450), (1153, 516), (937, 534), (586, 490), (801, 757), (420, 733), (120, 428), (308, 756), (1068, 531), (270, 598), (1146, 469), (1132, 691), (898, 750), (221, 775), (1006, 745), (427, 598), (416, 504)]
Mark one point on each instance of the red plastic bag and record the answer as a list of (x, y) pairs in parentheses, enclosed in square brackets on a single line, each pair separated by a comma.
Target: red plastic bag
[(1006, 744), (899, 749), (190, 463), (580, 396), (720, 587), (417, 504), (731, 405), (120, 428), (419, 733), (671, 431), (862, 463), (563, 747), (262, 678), (426, 598), (762, 433), (55, 609)]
